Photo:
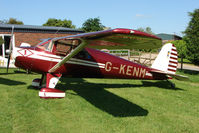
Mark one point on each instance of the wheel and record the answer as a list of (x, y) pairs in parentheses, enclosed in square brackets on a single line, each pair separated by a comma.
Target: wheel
[(173, 86), (49, 93), (36, 82)]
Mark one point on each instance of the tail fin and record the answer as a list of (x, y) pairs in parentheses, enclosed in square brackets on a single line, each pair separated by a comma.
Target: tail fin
[(167, 59)]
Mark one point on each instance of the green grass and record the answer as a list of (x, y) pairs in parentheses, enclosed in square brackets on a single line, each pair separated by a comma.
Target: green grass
[(100, 106)]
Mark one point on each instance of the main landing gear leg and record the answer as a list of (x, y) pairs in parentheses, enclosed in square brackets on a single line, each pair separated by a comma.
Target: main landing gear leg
[(49, 91), (171, 84)]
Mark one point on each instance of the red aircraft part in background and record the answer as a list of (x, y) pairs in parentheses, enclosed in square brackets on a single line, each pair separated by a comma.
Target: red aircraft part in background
[(75, 56)]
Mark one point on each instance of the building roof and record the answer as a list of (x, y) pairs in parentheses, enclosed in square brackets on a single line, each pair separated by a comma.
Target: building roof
[(37, 29), (164, 36)]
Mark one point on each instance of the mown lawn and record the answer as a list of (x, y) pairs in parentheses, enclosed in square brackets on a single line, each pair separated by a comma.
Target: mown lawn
[(99, 106)]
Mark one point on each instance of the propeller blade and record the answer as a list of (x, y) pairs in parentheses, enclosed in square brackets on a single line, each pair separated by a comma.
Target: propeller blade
[(8, 63), (10, 49)]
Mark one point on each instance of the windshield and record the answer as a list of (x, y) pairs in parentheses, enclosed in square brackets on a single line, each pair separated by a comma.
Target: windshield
[(44, 44), (59, 45)]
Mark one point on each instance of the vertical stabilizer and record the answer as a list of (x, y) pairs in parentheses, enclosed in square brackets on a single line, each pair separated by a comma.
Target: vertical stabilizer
[(167, 59)]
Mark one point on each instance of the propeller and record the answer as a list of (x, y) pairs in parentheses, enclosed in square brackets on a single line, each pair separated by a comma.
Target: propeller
[(10, 49)]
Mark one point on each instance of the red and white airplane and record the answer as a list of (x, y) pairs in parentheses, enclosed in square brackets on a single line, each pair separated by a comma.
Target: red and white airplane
[(75, 56)]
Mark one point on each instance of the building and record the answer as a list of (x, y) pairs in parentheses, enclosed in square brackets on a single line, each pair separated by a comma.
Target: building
[(33, 34), (168, 37), (29, 34)]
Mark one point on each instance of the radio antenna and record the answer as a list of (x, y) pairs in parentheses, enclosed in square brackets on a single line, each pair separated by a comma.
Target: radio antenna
[(57, 31)]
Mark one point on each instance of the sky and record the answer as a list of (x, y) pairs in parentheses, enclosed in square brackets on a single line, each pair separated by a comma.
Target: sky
[(162, 16)]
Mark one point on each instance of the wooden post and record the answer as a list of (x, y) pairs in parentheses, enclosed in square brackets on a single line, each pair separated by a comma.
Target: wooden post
[(128, 54), (181, 63)]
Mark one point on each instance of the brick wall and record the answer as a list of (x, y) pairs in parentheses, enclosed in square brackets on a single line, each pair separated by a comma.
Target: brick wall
[(32, 38)]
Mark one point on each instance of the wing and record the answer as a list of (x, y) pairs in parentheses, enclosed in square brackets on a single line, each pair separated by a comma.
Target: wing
[(115, 38), (119, 38)]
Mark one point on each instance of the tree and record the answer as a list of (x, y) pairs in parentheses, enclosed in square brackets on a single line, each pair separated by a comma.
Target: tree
[(141, 29), (11, 21), (192, 37), (181, 49), (14, 21), (59, 23), (147, 30), (3, 21), (92, 24)]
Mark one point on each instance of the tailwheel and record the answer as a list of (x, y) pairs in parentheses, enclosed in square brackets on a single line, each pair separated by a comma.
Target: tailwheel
[(173, 86), (50, 93)]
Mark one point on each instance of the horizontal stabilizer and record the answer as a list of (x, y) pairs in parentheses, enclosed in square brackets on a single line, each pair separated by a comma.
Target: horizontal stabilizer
[(178, 77)]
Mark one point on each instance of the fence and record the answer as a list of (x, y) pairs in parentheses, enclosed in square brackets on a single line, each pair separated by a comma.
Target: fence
[(144, 58)]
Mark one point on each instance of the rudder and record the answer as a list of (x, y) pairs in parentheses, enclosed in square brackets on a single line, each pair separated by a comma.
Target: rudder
[(167, 59)]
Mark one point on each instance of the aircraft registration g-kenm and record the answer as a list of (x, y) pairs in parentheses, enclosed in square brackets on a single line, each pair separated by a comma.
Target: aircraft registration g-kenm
[(75, 56)]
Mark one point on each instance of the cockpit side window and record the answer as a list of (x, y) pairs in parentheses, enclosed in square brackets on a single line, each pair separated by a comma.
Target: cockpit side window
[(83, 54), (64, 47)]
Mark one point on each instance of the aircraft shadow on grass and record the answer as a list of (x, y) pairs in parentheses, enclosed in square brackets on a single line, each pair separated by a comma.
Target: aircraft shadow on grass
[(10, 82), (97, 95), (191, 72), (160, 84), (17, 72), (105, 100)]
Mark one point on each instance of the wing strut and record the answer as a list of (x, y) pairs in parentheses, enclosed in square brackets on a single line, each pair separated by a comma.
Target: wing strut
[(69, 56)]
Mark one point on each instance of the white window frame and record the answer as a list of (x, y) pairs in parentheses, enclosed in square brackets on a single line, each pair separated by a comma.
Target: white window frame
[(3, 45)]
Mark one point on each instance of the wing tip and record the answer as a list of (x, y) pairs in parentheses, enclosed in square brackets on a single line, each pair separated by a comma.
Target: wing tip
[(135, 32)]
